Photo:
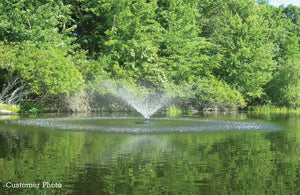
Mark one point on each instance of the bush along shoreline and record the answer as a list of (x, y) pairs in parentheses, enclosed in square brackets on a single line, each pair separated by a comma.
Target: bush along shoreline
[(6, 109)]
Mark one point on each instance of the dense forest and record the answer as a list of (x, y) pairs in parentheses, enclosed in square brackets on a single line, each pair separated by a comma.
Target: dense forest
[(231, 53)]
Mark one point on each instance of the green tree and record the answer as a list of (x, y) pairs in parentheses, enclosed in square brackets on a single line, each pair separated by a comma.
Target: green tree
[(242, 38), (283, 88), (184, 54), (92, 19), (36, 46), (46, 71), (43, 22), (155, 42), (293, 13)]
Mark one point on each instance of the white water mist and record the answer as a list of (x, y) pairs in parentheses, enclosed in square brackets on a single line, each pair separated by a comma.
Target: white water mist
[(144, 100)]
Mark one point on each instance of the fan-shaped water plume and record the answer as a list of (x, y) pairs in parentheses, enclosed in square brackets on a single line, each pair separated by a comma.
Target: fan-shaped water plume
[(144, 100), (103, 93)]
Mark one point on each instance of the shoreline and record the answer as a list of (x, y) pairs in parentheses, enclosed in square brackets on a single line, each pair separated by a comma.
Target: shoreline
[(7, 112)]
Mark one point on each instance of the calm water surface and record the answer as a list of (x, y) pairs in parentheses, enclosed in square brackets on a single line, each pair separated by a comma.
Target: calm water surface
[(83, 160)]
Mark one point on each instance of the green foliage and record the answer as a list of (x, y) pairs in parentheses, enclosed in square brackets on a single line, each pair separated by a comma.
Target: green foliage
[(211, 92), (243, 40), (36, 40), (92, 19), (43, 22), (12, 108), (235, 47), (284, 88), (31, 107), (273, 109), (133, 44), (48, 71), (173, 111), (293, 13), (184, 54)]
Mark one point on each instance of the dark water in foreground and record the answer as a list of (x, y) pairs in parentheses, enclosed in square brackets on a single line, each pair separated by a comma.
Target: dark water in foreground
[(238, 153)]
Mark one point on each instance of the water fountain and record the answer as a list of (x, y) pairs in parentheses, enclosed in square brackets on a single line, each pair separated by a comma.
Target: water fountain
[(146, 101)]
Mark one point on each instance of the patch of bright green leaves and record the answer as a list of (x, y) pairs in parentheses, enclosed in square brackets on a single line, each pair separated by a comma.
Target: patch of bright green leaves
[(12, 108)]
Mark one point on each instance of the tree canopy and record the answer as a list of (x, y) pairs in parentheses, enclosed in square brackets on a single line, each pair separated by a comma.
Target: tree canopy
[(230, 52)]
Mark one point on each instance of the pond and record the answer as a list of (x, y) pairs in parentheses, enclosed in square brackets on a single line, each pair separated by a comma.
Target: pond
[(203, 154)]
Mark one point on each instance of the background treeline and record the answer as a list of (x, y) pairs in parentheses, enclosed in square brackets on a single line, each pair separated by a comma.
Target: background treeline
[(231, 52)]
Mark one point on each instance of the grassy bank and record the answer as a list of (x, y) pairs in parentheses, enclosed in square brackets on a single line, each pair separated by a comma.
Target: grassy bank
[(273, 109), (11, 108)]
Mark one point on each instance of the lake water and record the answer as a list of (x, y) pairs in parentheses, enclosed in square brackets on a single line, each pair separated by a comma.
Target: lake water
[(204, 154)]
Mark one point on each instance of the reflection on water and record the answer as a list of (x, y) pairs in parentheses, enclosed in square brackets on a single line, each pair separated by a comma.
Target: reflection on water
[(99, 162)]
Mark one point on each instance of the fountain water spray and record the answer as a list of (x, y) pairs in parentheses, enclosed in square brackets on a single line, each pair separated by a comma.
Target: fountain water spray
[(144, 100)]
